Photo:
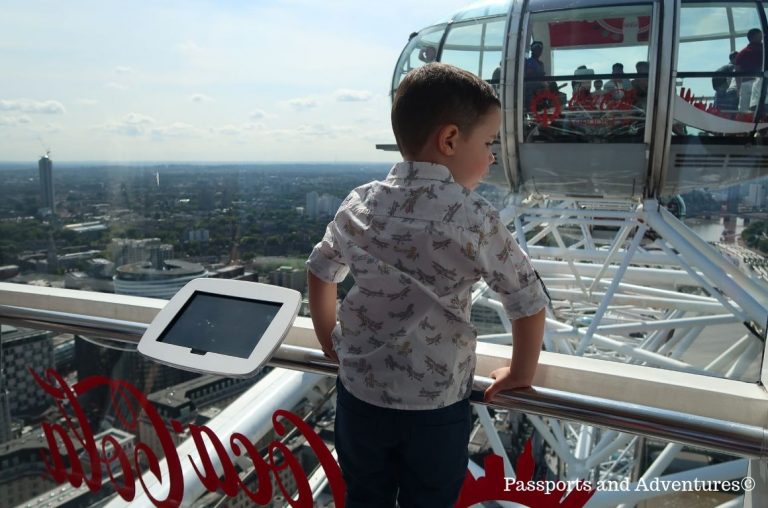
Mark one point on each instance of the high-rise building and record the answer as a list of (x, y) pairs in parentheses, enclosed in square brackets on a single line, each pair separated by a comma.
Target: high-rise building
[(45, 167), (24, 349), (321, 205)]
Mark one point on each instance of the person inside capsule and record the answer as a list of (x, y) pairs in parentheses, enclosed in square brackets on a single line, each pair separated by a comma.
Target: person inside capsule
[(749, 59), (640, 85), (534, 70), (618, 84)]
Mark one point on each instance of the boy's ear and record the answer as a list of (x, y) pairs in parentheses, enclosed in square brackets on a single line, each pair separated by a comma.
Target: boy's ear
[(447, 137)]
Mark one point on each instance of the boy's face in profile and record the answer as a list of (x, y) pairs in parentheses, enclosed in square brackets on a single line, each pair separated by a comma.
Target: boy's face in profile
[(469, 164)]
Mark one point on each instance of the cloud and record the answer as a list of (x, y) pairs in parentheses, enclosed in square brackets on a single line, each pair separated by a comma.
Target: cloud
[(257, 115), (227, 130), (87, 102), (30, 106), (303, 103), (117, 86), (190, 49), (313, 131), (174, 130), (250, 126), (50, 127), (13, 121), (122, 69), (200, 97), (345, 95), (132, 124)]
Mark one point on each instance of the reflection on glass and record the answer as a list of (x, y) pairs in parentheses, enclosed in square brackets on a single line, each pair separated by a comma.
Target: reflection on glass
[(421, 50), (576, 88), (723, 46), (475, 47)]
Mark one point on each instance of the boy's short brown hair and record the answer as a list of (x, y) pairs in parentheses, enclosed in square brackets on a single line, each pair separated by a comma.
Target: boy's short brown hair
[(434, 95)]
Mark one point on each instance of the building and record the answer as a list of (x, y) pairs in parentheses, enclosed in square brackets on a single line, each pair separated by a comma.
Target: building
[(24, 349), (97, 276), (156, 279), (235, 272), (192, 402), (25, 481), (91, 359), (126, 250), (321, 205), (6, 434), (756, 197), (197, 236), (64, 353), (45, 168), (289, 277), (88, 230), (23, 469)]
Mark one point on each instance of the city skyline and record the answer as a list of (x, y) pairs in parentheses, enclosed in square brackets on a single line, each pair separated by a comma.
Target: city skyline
[(278, 81)]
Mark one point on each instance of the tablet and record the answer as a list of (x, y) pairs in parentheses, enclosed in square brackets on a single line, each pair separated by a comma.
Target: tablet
[(219, 326)]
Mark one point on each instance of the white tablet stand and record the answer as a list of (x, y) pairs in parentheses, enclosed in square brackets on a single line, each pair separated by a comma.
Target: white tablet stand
[(218, 326)]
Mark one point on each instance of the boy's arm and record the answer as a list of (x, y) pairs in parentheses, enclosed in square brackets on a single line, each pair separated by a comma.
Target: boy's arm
[(322, 308), (527, 336)]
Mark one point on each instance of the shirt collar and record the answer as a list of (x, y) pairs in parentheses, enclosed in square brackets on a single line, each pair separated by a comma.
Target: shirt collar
[(410, 171)]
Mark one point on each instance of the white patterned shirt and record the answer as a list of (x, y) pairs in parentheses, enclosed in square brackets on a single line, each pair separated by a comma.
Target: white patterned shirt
[(415, 244)]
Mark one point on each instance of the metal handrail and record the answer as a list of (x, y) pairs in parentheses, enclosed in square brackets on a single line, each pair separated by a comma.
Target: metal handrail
[(695, 430)]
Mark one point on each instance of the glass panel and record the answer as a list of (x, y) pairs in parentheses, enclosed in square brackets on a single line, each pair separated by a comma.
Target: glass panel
[(182, 403), (421, 49), (586, 76), (723, 46), (483, 9), (475, 47)]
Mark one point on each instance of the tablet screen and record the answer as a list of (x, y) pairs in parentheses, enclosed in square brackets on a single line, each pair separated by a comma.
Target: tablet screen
[(225, 325)]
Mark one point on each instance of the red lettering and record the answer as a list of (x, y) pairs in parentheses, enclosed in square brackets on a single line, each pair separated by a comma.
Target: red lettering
[(58, 470), (127, 490), (489, 487), (61, 391), (85, 436), (304, 499), (263, 494), (541, 104), (324, 456), (210, 477)]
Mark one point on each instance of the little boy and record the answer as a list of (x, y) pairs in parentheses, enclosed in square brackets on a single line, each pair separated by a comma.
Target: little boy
[(415, 244)]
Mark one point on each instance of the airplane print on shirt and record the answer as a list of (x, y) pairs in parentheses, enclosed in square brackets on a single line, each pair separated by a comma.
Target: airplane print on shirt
[(411, 345)]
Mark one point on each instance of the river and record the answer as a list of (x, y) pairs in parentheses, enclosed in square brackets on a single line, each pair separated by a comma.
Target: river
[(712, 230)]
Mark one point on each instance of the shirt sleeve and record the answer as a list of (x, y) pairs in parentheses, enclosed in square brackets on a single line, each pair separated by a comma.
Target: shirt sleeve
[(508, 271), (325, 261)]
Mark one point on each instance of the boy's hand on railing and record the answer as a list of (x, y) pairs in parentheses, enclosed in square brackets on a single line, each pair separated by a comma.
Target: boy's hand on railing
[(505, 379), (330, 354)]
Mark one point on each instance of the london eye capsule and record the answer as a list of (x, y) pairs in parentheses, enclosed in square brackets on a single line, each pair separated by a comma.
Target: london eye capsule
[(614, 99)]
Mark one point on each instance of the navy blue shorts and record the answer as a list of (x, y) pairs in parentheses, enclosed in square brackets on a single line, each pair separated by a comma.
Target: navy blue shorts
[(417, 457)]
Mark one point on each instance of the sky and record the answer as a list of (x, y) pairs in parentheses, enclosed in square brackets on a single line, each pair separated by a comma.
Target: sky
[(197, 80)]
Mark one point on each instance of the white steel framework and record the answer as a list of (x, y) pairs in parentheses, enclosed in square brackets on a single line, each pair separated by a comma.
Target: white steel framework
[(631, 283)]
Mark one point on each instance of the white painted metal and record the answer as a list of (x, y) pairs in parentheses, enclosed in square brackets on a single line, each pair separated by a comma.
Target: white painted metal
[(615, 299)]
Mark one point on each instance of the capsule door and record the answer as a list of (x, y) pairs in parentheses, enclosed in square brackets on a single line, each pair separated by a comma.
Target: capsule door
[(580, 95)]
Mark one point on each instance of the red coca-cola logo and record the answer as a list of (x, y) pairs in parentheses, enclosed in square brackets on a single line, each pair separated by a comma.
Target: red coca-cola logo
[(64, 465)]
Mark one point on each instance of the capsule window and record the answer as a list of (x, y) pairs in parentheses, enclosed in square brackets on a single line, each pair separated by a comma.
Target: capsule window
[(420, 50), (720, 67), (476, 47), (586, 74), (719, 98)]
